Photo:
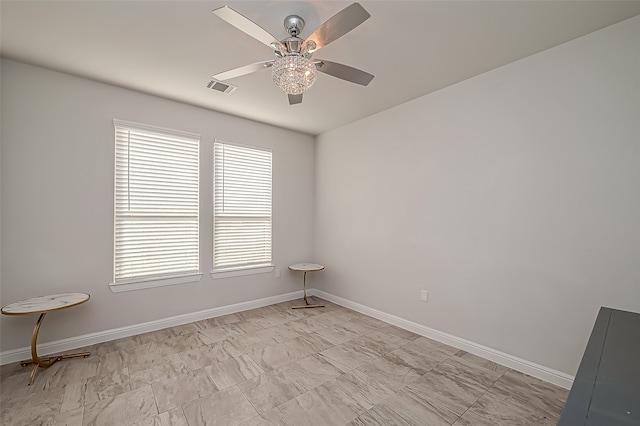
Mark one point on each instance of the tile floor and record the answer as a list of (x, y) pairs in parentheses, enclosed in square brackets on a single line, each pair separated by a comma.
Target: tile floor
[(278, 366)]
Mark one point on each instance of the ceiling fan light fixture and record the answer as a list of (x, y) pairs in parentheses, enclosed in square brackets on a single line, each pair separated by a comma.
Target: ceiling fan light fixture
[(293, 74)]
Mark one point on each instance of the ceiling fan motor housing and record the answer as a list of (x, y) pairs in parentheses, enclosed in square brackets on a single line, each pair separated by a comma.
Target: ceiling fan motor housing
[(294, 25)]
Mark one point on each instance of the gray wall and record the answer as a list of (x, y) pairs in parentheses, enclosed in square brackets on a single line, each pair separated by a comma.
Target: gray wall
[(512, 197), (57, 203)]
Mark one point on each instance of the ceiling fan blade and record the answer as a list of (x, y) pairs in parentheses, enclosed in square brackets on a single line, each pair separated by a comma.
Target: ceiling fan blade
[(344, 72), (246, 25), (338, 25), (295, 99), (247, 69)]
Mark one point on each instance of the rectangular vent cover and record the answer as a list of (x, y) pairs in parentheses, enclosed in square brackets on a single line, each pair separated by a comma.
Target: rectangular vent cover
[(221, 87)]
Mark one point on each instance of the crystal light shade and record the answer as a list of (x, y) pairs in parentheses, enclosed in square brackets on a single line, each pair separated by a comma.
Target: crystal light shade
[(294, 74)]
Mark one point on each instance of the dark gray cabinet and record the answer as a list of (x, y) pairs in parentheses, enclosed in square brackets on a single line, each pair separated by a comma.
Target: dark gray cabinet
[(606, 390)]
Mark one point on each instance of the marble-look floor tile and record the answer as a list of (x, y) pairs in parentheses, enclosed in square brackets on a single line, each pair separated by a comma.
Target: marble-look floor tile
[(64, 372), (31, 408), (342, 315), (317, 408), (470, 359), (8, 370), (363, 420), (248, 343), (337, 334), (106, 386), (200, 357), (225, 349), (279, 333), (223, 332), (325, 319), (377, 346), (276, 356), (472, 419), (311, 372), (15, 387), (173, 392), (348, 356), (68, 418), (269, 390), (429, 345), (302, 313), (171, 332), (389, 339), (149, 421), (233, 370), (73, 396), (217, 321), (309, 344), (273, 417), (400, 332), (279, 318), (135, 357), (306, 325), (164, 368), (407, 408), (100, 349), (250, 314), (544, 396), (173, 417), (357, 390), (227, 407), (470, 372), (181, 343), (252, 325), (126, 408), (421, 361), (373, 322), (391, 375), (445, 390), (359, 327), (510, 411)]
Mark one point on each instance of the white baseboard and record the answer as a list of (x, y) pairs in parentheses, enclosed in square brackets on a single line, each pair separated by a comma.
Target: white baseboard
[(541, 372), (519, 364), (57, 346)]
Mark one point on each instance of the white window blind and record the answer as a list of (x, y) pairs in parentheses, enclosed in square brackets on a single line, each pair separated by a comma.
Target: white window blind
[(156, 203), (241, 207)]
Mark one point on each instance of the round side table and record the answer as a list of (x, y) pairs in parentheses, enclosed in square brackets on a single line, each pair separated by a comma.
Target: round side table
[(43, 305), (306, 267)]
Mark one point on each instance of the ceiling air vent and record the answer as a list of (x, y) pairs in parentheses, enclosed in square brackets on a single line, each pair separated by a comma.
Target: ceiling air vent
[(219, 86)]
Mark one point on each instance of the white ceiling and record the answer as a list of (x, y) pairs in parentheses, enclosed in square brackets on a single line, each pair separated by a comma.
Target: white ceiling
[(171, 48)]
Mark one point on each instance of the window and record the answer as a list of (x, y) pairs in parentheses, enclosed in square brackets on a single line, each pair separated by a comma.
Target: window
[(156, 206), (241, 209)]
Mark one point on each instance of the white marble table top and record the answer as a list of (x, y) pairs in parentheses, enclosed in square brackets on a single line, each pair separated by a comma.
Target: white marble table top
[(306, 267), (42, 304)]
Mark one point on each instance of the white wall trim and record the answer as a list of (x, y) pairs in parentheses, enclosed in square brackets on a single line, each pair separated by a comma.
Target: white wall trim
[(541, 372), (16, 355)]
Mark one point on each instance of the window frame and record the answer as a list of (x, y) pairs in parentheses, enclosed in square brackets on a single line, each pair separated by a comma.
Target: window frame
[(240, 270), (121, 284)]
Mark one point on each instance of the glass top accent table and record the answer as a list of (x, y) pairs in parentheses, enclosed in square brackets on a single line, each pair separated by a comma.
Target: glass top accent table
[(43, 305), (306, 267)]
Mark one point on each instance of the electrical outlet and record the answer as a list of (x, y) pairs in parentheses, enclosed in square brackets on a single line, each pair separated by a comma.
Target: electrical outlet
[(277, 273), (424, 295)]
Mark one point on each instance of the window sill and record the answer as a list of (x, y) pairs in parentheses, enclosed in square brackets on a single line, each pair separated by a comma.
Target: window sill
[(155, 282), (236, 272)]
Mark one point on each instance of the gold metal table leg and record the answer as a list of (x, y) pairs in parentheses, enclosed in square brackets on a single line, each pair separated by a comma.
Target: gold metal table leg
[(306, 305), (44, 362)]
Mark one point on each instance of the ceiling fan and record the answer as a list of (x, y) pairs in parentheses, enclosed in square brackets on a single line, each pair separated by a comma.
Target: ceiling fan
[(294, 69)]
